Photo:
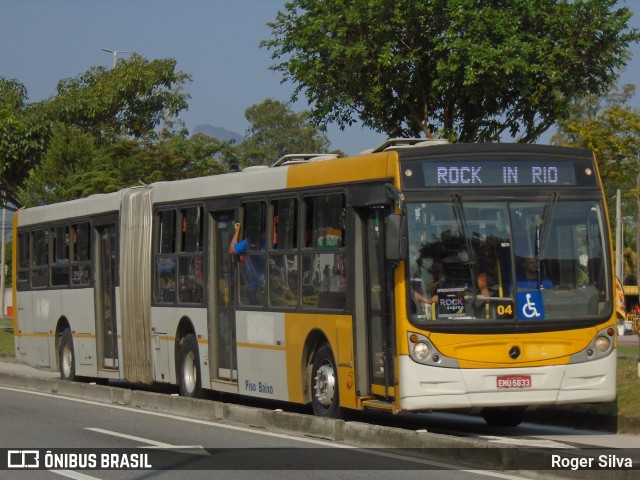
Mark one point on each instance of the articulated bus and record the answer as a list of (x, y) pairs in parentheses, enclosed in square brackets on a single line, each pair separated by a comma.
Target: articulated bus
[(414, 277)]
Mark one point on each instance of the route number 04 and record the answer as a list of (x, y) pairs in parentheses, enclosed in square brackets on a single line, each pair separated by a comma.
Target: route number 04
[(504, 310)]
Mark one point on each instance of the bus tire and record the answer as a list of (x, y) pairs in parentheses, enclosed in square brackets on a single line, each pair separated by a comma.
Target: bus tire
[(67, 356), (324, 384), (189, 379), (504, 416)]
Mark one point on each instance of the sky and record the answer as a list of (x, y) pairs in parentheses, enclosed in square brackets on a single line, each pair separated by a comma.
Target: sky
[(215, 41)]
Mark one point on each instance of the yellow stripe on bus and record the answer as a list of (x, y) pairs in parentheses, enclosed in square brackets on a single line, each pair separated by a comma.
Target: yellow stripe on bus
[(262, 346), (356, 169)]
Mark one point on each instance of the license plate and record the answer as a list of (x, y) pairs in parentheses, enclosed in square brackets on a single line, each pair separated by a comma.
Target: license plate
[(514, 381)]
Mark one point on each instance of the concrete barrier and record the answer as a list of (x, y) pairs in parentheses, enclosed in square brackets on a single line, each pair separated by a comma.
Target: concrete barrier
[(29, 383), (175, 405)]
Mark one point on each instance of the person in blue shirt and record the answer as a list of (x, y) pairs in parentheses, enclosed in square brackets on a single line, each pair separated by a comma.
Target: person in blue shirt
[(252, 268), (529, 276), (237, 246)]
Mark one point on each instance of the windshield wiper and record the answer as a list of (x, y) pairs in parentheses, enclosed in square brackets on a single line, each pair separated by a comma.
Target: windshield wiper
[(544, 229), (458, 209)]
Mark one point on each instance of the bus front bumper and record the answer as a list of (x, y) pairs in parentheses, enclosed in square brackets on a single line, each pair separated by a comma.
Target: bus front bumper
[(424, 387)]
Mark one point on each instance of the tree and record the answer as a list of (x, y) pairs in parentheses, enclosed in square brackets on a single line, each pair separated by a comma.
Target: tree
[(61, 174), (275, 130), (75, 166), (474, 69), (611, 128), (100, 107), (22, 134), (131, 99)]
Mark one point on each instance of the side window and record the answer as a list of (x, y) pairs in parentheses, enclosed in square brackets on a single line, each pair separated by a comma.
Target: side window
[(40, 259), (255, 231), (252, 263), (165, 257), (81, 242), (190, 259), (324, 281), (60, 266), (23, 261), (61, 244), (81, 252), (285, 224), (167, 235), (283, 258), (325, 222)]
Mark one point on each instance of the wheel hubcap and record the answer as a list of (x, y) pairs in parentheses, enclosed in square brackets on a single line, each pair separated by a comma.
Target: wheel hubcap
[(67, 360), (325, 383), (189, 374)]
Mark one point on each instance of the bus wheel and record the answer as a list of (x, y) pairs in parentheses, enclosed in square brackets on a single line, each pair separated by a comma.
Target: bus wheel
[(324, 384), (504, 416), (189, 368), (67, 357)]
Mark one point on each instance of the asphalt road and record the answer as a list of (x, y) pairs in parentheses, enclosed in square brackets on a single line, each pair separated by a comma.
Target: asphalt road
[(59, 430), (50, 428)]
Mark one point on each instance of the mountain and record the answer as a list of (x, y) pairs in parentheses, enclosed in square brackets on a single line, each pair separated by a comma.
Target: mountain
[(218, 132)]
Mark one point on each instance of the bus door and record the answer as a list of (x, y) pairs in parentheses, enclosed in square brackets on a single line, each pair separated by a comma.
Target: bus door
[(105, 292), (224, 295), (380, 323)]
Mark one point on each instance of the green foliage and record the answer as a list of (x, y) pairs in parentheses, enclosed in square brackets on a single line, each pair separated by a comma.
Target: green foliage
[(71, 155), (628, 400), (275, 130), (74, 166), (63, 147), (131, 99), (22, 134), (7, 343), (475, 69), (610, 127), (108, 129), (195, 156)]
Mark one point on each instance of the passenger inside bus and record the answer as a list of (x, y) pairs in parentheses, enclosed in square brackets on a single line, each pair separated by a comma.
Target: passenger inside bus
[(530, 274), (252, 268), (489, 264), (426, 276), (237, 246)]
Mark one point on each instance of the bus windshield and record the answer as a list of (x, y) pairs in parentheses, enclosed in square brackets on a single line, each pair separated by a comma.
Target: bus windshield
[(507, 261)]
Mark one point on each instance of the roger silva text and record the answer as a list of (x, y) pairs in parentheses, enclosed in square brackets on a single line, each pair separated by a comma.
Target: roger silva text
[(604, 461)]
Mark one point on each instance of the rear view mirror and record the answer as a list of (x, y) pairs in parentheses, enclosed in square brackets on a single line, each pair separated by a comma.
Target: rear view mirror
[(395, 237)]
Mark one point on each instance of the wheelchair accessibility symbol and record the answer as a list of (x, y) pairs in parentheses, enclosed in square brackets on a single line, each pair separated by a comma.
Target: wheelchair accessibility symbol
[(530, 305)]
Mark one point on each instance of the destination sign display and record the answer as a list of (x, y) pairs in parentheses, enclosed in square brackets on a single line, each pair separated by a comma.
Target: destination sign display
[(497, 173)]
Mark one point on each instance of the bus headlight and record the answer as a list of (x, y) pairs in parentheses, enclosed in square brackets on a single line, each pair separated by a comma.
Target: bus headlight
[(602, 344), (421, 350), (600, 347)]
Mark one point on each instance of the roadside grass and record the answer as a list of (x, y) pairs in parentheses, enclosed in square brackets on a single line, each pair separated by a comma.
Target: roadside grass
[(627, 403), (6, 337)]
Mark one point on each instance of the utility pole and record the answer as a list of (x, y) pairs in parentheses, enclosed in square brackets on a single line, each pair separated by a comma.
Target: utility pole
[(638, 242), (2, 257), (115, 54), (619, 242), (638, 248)]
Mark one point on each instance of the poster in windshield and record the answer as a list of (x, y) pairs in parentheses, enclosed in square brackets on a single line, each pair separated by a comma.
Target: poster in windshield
[(451, 302)]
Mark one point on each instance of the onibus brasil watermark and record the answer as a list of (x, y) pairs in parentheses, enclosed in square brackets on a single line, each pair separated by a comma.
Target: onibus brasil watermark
[(39, 459)]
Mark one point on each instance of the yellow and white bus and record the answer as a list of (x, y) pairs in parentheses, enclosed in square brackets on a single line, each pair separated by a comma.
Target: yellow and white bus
[(415, 277)]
